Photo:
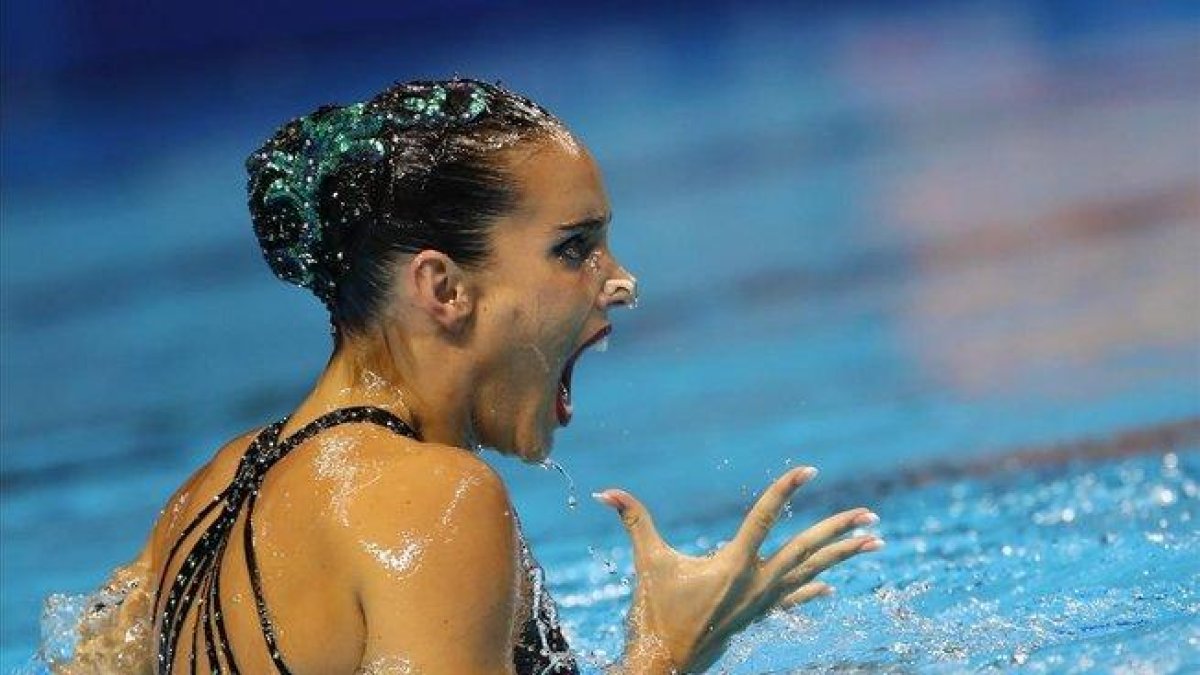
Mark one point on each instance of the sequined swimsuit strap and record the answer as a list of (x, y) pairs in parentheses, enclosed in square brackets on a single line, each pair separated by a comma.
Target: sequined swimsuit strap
[(197, 579)]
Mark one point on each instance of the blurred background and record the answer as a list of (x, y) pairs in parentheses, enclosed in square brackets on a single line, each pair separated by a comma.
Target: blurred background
[(907, 242)]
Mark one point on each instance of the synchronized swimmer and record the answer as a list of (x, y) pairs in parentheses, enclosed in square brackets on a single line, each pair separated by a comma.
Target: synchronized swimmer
[(458, 235)]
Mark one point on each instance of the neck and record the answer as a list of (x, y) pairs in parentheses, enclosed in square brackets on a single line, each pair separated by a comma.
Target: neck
[(385, 371)]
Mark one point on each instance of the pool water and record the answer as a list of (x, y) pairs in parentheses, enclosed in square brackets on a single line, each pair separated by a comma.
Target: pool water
[(944, 253), (1061, 569), (1065, 568)]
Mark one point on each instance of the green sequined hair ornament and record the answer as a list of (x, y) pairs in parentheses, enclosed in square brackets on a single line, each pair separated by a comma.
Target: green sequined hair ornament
[(300, 244)]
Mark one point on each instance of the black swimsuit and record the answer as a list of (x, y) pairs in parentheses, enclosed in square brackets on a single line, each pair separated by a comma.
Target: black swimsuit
[(541, 650)]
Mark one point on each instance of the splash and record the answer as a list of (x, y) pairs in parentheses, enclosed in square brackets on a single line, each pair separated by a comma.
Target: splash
[(609, 565), (107, 631), (1084, 569)]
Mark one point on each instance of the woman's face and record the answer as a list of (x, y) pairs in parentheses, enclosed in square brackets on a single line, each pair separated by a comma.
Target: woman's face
[(543, 297)]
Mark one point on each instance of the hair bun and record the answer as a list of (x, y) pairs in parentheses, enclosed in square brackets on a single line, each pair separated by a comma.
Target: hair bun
[(285, 180)]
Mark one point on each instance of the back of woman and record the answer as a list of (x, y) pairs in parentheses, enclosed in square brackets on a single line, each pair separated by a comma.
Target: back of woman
[(354, 502), (314, 615), (350, 504)]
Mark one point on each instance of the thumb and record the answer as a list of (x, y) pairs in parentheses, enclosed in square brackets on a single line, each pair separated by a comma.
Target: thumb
[(634, 517)]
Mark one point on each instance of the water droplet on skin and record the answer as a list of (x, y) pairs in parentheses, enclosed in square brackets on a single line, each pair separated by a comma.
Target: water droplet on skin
[(459, 491), (400, 560), (334, 462), (386, 665)]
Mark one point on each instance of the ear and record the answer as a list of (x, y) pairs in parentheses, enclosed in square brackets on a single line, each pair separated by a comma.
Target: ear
[(440, 288)]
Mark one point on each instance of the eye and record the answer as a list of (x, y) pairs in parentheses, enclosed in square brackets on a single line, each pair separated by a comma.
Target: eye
[(575, 250)]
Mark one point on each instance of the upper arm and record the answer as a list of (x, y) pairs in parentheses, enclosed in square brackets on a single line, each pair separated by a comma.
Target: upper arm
[(433, 551)]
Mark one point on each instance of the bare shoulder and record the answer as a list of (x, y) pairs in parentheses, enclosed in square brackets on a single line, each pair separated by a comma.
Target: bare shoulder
[(384, 487), (190, 497), (429, 528)]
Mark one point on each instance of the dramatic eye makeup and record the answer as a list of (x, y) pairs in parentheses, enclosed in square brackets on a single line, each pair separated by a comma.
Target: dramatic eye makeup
[(577, 240)]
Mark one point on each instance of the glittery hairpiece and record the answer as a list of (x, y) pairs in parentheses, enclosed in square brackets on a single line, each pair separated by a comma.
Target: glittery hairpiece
[(330, 138), (329, 141), (431, 106)]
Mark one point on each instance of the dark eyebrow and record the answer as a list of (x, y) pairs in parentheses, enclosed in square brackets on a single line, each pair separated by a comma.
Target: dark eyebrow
[(593, 223)]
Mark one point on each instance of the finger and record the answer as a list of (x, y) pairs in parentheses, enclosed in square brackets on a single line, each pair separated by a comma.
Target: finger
[(829, 556), (766, 510), (635, 518), (817, 537), (807, 592)]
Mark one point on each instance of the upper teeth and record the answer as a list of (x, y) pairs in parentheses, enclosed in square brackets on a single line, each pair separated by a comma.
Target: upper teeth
[(601, 345)]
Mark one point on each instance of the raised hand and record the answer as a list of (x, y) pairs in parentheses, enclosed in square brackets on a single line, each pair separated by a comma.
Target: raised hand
[(686, 608)]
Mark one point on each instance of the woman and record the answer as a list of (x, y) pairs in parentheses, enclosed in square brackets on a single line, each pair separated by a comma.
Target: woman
[(457, 233)]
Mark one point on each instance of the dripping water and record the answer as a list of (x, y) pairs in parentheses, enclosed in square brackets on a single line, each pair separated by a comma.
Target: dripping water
[(609, 565), (572, 500)]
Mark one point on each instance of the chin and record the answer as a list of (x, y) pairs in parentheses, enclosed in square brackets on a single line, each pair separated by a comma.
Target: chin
[(527, 454), (524, 429), (531, 444), (538, 450)]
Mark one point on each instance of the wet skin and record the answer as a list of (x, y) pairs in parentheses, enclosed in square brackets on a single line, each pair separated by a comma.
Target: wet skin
[(374, 549)]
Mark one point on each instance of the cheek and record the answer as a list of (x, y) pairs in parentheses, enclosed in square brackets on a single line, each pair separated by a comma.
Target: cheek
[(519, 335), (546, 312)]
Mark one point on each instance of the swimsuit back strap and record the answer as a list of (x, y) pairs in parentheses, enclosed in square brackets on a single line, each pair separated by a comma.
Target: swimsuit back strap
[(369, 414), (198, 574)]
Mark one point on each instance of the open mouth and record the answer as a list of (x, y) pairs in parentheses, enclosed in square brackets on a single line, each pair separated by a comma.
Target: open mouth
[(564, 384)]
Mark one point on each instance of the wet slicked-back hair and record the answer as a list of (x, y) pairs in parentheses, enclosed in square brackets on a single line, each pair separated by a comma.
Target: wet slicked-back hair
[(337, 195)]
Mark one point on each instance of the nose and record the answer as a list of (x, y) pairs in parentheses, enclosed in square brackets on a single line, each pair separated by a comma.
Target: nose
[(621, 289)]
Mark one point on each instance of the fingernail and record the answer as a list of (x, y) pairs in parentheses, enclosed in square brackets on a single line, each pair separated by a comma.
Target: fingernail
[(803, 475), (864, 519), (606, 499), (828, 590), (873, 544)]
